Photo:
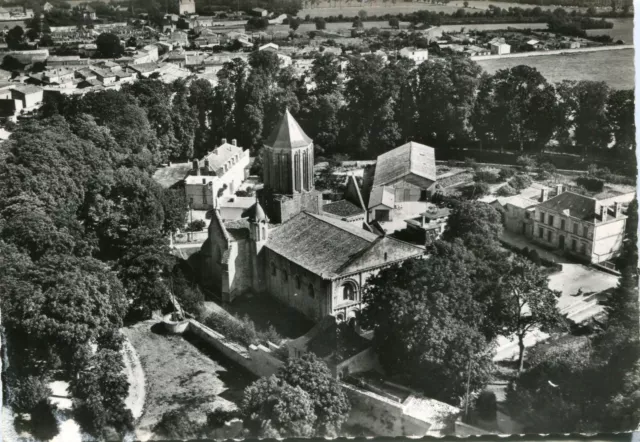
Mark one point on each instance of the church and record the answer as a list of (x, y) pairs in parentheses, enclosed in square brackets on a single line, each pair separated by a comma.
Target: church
[(288, 247)]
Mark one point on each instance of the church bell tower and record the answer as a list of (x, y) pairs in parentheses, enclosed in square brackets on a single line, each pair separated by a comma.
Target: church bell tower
[(288, 158)]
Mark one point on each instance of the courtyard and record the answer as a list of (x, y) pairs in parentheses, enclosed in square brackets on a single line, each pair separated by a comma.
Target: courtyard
[(180, 373)]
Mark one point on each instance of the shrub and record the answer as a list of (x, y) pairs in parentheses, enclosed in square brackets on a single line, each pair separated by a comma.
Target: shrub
[(242, 330), (176, 424), (477, 190), (25, 394), (218, 417), (486, 176), (486, 405), (520, 182), (526, 162), (591, 183), (535, 257), (471, 163), (506, 190), (506, 173), (196, 226), (190, 297)]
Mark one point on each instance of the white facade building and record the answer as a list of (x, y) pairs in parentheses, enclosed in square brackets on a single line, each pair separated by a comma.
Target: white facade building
[(415, 54)]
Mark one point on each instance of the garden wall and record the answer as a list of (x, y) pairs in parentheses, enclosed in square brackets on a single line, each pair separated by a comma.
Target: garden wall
[(366, 360), (259, 360)]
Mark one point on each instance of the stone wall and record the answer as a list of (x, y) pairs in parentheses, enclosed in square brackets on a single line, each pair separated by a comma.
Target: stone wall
[(258, 360), (239, 268), (366, 360), (287, 291)]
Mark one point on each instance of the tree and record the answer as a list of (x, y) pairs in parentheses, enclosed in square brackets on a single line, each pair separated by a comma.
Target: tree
[(25, 394), (526, 102), (258, 23), (175, 208), (109, 45), (272, 408), (362, 14), (321, 24), (294, 23), (99, 392), (357, 23), (592, 130), (621, 107), (528, 303), (427, 324), (444, 95), (394, 22), (15, 37), (466, 4), (143, 268), (330, 402)]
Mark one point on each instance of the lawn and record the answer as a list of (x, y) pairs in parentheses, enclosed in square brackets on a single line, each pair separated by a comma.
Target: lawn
[(182, 374)]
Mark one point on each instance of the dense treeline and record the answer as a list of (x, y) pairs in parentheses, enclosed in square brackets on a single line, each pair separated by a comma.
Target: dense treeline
[(82, 242), (446, 103)]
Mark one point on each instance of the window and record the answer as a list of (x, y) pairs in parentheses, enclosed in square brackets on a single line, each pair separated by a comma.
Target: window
[(583, 248), (574, 245), (585, 231), (562, 224), (575, 228), (541, 217), (540, 232), (348, 292), (549, 235), (312, 291), (527, 215), (273, 269), (297, 282), (285, 276), (550, 218)]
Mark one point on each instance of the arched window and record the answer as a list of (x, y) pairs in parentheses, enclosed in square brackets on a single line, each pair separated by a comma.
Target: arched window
[(348, 292), (285, 276), (273, 269), (297, 282), (312, 291)]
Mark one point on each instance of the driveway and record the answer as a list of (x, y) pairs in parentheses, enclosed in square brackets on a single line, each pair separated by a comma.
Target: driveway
[(579, 286)]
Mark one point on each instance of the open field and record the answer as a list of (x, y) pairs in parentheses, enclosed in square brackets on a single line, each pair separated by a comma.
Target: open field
[(179, 375), (325, 9)]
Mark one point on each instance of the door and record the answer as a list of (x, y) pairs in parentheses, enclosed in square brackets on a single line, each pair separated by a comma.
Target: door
[(561, 242)]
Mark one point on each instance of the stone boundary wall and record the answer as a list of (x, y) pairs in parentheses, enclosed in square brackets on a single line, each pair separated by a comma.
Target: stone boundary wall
[(190, 237), (258, 359)]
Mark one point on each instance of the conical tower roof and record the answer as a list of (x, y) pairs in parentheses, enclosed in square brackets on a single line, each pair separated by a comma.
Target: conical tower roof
[(260, 215), (288, 134)]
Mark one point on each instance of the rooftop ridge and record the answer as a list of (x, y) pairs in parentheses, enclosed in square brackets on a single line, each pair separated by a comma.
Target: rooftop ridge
[(345, 226)]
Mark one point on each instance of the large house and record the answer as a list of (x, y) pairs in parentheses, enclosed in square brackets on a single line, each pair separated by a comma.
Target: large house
[(219, 173), (583, 227), (288, 248)]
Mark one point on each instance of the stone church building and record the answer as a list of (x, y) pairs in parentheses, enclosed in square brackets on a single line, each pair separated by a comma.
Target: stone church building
[(288, 248)]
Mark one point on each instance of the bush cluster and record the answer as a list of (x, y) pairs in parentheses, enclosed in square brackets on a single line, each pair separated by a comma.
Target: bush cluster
[(506, 173), (506, 190), (486, 176), (197, 225), (591, 183), (520, 182)]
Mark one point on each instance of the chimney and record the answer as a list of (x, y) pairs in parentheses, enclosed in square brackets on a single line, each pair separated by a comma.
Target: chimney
[(196, 167), (559, 189), (544, 195), (617, 209), (224, 141), (169, 164), (204, 181), (603, 212), (206, 164), (235, 142)]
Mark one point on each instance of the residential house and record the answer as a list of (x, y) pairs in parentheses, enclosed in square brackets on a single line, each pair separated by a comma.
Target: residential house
[(104, 76), (30, 96), (534, 45), (187, 7), (218, 173), (580, 226), (259, 12), (415, 54), (500, 48)]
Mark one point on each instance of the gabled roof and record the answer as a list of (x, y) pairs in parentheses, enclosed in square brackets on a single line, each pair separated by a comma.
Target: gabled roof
[(220, 155), (579, 206), (409, 158), (382, 196), (288, 134), (329, 247)]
